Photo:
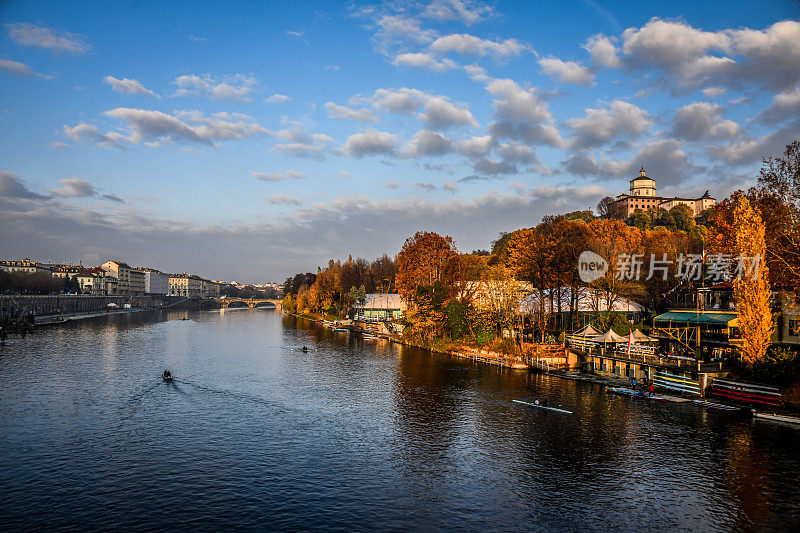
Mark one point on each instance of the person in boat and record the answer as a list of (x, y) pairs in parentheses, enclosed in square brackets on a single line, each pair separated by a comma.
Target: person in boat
[(536, 402), (544, 402), (634, 385), (167, 375), (651, 390)]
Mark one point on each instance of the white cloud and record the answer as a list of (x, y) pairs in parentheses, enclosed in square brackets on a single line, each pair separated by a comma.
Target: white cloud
[(283, 199), (371, 142), (713, 92), (236, 88), (391, 185), (663, 159), (421, 60), (785, 106), (750, 151), (403, 101), (476, 72), (427, 143), (75, 188), (520, 114), (441, 114), (343, 174), (475, 146), (12, 186), (84, 132), (277, 99), (300, 144), (394, 31), (276, 176), (128, 86), (603, 51), (42, 37), (154, 128), (466, 44), (702, 120), (599, 126), (56, 145), (769, 58), (462, 11), (566, 71), (345, 113), (19, 69)]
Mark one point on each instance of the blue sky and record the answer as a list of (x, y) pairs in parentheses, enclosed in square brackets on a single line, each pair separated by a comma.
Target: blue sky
[(252, 140)]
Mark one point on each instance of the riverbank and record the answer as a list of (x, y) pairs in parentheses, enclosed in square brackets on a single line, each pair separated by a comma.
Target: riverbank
[(51, 320), (441, 346)]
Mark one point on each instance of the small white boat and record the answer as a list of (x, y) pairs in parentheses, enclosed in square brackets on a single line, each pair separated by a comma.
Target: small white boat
[(540, 406), (778, 418), (712, 405)]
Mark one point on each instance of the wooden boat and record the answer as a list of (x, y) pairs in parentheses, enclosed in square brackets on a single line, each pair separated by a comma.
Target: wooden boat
[(712, 405), (531, 404), (340, 329), (634, 394), (778, 418)]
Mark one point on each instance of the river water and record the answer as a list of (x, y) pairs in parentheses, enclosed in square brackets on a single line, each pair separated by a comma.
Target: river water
[(353, 435)]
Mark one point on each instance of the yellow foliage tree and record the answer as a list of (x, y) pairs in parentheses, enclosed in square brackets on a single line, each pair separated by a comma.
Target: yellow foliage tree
[(751, 289)]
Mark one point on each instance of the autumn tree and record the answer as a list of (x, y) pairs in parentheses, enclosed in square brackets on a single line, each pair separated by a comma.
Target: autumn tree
[(751, 289), (425, 259), (614, 240)]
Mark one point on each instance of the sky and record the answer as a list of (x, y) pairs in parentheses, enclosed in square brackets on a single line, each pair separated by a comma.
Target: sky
[(249, 141)]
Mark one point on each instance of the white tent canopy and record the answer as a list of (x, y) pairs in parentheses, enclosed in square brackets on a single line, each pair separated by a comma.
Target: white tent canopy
[(638, 336), (609, 336), (588, 331)]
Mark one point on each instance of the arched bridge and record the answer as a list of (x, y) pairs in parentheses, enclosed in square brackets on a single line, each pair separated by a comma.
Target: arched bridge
[(265, 303)]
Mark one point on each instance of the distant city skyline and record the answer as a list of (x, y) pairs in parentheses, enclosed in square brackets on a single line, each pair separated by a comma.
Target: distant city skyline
[(250, 141)]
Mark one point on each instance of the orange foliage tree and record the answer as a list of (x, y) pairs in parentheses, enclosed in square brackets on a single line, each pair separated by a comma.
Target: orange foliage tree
[(424, 259), (751, 289)]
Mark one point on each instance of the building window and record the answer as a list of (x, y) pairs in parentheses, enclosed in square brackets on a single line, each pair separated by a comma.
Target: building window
[(794, 328)]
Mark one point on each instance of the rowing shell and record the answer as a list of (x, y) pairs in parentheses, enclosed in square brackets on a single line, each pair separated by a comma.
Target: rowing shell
[(778, 418), (543, 407), (713, 405)]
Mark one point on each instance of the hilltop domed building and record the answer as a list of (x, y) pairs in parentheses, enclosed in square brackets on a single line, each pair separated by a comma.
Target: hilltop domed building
[(643, 196)]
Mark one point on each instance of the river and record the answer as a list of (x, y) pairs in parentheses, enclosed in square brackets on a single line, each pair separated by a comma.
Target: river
[(256, 435)]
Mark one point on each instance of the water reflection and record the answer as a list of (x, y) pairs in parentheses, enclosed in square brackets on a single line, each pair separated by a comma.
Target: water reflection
[(256, 434)]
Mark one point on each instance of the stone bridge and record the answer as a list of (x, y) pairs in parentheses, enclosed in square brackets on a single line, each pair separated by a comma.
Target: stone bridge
[(263, 303)]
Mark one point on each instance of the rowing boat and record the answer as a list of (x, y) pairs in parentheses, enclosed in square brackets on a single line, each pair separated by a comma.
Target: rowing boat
[(531, 404), (635, 394), (712, 405), (778, 418)]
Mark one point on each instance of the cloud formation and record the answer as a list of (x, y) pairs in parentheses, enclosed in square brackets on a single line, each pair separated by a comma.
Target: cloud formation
[(566, 71), (235, 88), (128, 86), (372, 142), (12, 186), (276, 176), (42, 37), (153, 128), (19, 69), (75, 188)]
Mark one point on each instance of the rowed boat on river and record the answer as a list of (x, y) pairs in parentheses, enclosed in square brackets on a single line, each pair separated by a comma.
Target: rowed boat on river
[(635, 394), (778, 418), (540, 406), (714, 405)]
